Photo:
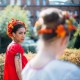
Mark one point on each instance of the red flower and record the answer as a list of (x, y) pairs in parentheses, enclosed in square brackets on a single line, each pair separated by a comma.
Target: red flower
[(71, 27), (11, 26), (42, 31), (61, 31)]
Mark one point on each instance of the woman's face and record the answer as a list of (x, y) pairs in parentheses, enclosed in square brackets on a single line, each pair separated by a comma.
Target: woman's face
[(19, 35)]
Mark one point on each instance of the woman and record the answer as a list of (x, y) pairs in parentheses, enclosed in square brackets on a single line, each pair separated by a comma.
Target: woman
[(15, 60), (53, 28)]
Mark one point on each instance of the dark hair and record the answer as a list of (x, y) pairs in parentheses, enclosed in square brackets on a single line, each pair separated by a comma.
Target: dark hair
[(13, 26), (52, 16), (54, 22), (48, 36), (17, 26)]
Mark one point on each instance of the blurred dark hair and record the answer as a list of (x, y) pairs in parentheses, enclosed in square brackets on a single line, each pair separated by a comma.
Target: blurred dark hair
[(54, 22), (52, 17), (17, 26)]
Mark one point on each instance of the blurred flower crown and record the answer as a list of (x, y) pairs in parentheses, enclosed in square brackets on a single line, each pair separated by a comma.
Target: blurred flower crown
[(60, 31), (11, 25)]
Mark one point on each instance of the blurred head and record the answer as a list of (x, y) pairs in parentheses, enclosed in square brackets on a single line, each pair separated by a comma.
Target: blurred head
[(54, 23), (54, 26), (16, 30)]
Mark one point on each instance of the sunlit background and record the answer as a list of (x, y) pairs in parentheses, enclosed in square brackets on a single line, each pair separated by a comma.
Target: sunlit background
[(28, 11)]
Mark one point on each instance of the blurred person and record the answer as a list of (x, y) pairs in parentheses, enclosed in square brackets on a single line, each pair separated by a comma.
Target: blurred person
[(15, 60), (53, 28)]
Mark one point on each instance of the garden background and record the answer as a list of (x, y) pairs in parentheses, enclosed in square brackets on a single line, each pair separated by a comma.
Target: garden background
[(72, 53)]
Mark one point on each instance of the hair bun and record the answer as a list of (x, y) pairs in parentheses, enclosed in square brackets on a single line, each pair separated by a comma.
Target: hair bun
[(54, 22)]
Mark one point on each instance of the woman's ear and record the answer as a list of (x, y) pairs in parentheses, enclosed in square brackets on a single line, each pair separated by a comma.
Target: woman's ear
[(13, 35)]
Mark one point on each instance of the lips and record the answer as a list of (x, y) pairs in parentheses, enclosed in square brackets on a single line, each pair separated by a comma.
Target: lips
[(22, 39)]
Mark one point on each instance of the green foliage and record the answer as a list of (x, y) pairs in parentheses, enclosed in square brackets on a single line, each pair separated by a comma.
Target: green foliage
[(75, 41), (12, 12), (78, 31), (4, 42), (29, 48), (77, 36), (6, 15)]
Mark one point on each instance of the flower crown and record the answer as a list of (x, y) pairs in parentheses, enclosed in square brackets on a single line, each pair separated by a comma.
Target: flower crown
[(11, 25), (60, 31)]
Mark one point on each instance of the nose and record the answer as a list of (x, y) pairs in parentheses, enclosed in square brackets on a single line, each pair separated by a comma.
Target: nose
[(23, 35)]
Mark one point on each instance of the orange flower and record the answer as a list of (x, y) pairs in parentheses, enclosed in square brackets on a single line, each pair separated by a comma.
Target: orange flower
[(61, 31), (42, 31), (37, 24), (71, 27), (11, 26)]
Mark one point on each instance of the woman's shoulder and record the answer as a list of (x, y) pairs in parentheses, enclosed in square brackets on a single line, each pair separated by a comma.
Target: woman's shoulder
[(14, 47), (65, 63), (54, 70), (72, 71), (64, 70), (61, 66)]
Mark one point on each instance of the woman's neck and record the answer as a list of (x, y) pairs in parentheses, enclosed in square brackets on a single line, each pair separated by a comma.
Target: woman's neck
[(43, 57), (47, 51), (14, 41), (50, 49)]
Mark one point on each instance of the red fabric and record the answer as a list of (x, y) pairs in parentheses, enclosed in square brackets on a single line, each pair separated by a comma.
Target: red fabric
[(9, 67)]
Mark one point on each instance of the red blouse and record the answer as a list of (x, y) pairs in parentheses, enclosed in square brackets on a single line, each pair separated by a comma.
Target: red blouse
[(9, 67)]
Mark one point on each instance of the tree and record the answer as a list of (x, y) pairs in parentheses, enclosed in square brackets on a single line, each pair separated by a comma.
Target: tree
[(11, 12), (5, 16)]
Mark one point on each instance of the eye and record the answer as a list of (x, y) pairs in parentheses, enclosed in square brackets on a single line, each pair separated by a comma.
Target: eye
[(20, 32), (24, 32)]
